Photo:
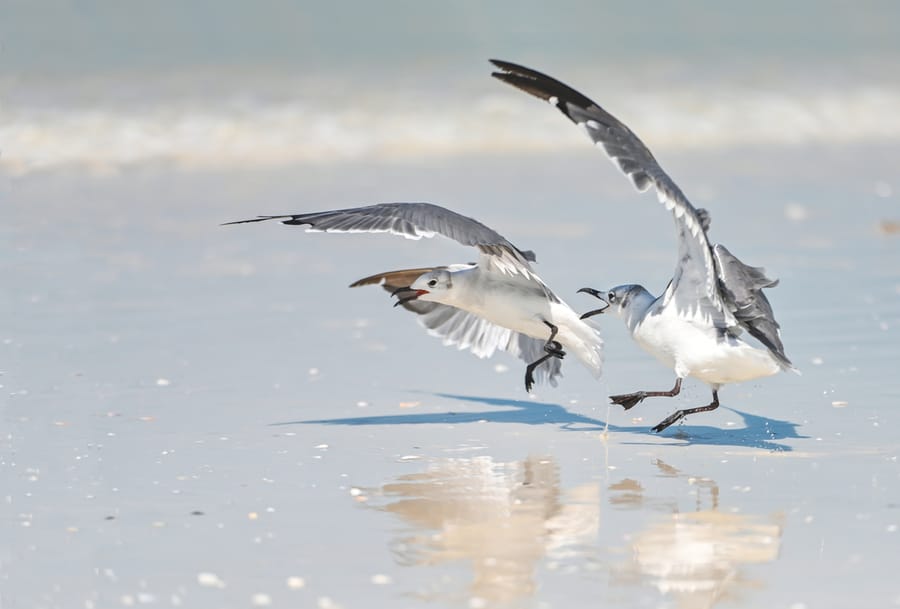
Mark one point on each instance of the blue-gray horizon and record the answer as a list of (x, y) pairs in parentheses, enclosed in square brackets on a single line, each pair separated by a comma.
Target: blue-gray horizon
[(273, 121)]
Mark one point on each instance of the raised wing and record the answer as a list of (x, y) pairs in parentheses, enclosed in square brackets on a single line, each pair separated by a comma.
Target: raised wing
[(414, 221), (694, 282), (465, 330)]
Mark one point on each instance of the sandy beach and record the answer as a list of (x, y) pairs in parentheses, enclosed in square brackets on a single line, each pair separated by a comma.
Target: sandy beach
[(206, 416)]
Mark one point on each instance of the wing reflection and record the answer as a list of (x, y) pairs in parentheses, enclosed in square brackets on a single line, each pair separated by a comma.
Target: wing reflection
[(697, 557), (501, 518)]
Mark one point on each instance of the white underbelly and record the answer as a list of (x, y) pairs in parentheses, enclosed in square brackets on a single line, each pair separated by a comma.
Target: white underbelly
[(692, 350), (520, 315)]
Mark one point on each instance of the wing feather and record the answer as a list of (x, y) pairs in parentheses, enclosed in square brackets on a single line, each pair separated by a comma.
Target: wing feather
[(694, 281), (465, 330), (414, 221), (742, 289)]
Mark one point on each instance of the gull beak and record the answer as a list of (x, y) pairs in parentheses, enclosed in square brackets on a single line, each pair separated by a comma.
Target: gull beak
[(595, 294), (403, 298)]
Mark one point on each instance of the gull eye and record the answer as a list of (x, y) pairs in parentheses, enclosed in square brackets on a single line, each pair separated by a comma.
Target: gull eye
[(611, 297), (432, 283)]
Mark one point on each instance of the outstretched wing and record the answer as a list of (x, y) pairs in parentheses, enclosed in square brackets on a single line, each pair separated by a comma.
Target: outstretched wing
[(465, 330), (414, 221), (694, 282)]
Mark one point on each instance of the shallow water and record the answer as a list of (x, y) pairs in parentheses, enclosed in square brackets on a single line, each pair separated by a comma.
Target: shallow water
[(205, 416)]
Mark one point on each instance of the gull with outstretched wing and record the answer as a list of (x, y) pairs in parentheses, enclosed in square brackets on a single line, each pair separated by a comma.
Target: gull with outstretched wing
[(496, 303), (695, 326)]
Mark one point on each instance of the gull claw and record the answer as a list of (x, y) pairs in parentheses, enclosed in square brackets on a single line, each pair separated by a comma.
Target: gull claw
[(628, 400), (672, 418)]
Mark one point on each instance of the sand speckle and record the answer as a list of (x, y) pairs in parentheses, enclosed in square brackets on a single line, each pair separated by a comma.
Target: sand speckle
[(210, 580)]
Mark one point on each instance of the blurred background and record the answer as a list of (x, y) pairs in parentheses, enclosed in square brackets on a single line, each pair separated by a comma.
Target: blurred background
[(205, 416), (104, 85)]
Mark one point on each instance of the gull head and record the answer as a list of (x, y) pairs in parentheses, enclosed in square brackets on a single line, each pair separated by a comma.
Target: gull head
[(614, 301), (431, 286)]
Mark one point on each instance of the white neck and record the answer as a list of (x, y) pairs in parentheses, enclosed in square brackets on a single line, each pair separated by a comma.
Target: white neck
[(639, 301), (461, 277)]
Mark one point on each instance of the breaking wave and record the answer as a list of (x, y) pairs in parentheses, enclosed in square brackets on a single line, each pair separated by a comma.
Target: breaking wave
[(235, 131)]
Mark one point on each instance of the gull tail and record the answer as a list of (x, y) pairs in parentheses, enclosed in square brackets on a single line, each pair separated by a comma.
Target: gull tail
[(584, 342), (742, 290)]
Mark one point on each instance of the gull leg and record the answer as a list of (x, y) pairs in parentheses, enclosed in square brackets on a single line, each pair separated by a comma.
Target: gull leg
[(680, 414), (629, 400), (553, 349)]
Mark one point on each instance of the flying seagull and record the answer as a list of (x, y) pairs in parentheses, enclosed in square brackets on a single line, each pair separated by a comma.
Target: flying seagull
[(497, 303), (695, 326)]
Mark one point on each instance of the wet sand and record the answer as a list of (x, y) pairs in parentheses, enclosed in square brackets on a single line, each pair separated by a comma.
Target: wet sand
[(205, 416)]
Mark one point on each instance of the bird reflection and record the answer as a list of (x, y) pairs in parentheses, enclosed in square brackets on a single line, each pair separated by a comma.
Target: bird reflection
[(696, 557), (501, 518), (505, 519)]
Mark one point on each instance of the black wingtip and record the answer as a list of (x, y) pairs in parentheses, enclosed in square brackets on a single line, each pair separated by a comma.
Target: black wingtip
[(508, 66), (258, 219), (540, 85), (512, 73)]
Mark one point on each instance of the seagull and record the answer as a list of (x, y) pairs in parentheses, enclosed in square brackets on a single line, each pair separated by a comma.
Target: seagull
[(496, 303), (695, 327)]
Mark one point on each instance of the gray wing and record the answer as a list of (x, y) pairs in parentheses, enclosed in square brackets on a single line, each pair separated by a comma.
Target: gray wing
[(694, 282), (742, 287), (414, 221), (465, 330)]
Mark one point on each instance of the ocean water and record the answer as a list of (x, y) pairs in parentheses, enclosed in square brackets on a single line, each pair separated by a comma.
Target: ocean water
[(203, 416), (101, 86)]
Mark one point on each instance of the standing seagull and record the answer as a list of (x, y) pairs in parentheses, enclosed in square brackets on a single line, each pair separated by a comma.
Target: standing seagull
[(496, 303), (695, 326)]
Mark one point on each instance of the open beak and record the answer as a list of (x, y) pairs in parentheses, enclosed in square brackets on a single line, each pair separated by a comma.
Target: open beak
[(406, 294), (595, 294)]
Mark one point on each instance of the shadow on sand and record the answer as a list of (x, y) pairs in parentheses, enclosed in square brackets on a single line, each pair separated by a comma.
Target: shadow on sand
[(758, 432)]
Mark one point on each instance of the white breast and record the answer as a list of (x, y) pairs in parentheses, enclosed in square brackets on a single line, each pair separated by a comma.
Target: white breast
[(693, 348)]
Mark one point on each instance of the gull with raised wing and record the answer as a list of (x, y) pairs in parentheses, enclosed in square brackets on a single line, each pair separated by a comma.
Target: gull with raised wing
[(695, 326), (496, 303)]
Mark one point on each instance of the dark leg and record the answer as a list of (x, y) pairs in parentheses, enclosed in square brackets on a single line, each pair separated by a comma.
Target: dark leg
[(629, 400), (680, 414), (553, 349)]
